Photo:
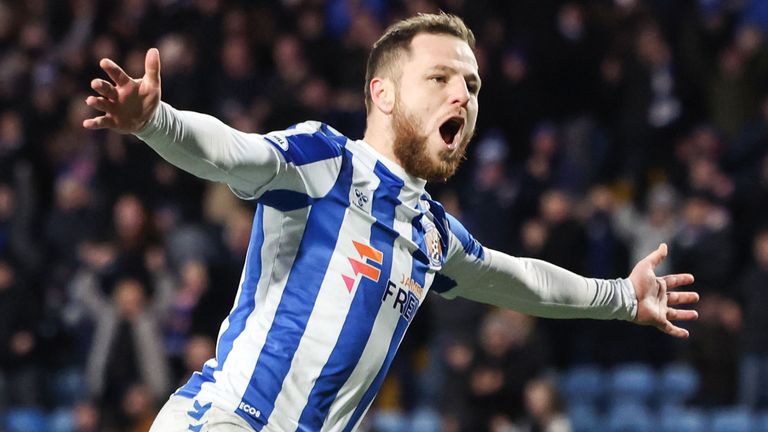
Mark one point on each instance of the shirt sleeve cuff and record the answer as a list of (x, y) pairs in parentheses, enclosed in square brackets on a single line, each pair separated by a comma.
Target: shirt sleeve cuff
[(152, 125), (630, 296)]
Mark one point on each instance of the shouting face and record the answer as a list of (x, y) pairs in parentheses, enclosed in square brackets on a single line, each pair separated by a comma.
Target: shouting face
[(436, 106)]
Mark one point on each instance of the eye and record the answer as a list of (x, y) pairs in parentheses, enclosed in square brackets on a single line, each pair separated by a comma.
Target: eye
[(473, 88), (439, 79)]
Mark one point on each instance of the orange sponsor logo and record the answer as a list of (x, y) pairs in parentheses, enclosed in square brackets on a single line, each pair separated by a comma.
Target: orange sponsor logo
[(368, 254)]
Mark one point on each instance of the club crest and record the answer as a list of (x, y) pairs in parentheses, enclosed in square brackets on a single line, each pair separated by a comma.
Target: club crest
[(434, 246)]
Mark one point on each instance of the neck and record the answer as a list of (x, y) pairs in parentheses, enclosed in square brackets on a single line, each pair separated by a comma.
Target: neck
[(381, 137)]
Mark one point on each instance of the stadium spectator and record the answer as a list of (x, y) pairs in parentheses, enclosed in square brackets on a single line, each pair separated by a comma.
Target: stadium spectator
[(703, 239), (606, 250), (18, 212), (490, 192), (655, 223), (714, 350), (20, 366), (72, 219), (653, 106), (544, 408), (753, 384), (540, 171), (510, 352), (198, 349), (127, 345)]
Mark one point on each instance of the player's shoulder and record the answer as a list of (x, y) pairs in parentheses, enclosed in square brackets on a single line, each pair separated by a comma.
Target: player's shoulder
[(307, 142), (316, 127), (453, 231)]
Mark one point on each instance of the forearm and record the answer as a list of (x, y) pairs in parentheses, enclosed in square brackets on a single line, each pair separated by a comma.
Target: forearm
[(542, 289), (206, 147)]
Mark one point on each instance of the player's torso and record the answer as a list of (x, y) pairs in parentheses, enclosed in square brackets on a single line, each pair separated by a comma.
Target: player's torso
[(327, 294)]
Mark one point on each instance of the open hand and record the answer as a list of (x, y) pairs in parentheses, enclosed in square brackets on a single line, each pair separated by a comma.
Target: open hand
[(654, 298), (127, 103)]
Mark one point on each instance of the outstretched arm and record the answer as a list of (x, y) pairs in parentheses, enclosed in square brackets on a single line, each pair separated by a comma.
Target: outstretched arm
[(194, 142), (539, 288), (543, 289)]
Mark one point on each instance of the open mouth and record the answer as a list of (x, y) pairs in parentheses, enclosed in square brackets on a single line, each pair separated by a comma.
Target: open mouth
[(450, 131)]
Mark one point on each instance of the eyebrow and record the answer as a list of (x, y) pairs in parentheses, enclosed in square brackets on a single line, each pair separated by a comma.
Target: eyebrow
[(473, 77)]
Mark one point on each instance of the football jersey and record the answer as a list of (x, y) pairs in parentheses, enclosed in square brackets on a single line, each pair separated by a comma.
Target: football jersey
[(344, 249)]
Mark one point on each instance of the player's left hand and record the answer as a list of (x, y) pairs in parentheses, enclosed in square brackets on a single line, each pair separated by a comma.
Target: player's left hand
[(654, 298)]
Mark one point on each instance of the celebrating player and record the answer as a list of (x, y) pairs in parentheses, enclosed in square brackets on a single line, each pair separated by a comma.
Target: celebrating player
[(346, 243)]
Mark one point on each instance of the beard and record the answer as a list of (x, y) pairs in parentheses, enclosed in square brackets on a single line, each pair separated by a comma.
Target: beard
[(411, 149)]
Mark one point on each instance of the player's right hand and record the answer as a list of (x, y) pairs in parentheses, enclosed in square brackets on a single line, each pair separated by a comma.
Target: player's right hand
[(127, 103)]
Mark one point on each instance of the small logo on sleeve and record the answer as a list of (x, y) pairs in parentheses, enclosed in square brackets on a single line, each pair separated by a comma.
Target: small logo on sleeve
[(278, 139)]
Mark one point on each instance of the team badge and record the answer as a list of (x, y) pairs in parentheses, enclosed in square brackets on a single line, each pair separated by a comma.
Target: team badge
[(434, 247)]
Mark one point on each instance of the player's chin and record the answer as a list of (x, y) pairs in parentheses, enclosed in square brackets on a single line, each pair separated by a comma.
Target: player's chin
[(447, 165), (454, 155)]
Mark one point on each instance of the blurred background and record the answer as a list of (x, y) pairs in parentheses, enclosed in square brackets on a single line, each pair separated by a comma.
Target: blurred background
[(605, 127)]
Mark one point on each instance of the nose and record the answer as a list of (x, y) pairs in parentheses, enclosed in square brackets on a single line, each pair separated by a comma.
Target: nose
[(459, 92)]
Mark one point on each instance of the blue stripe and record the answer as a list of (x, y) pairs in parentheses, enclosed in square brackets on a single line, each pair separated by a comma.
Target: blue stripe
[(307, 148), (365, 306), (418, 235), (418, 273), (329, 130), (285, 200), (238, 317), (442, 222), (298, 299), (442, 283), (470, 245)]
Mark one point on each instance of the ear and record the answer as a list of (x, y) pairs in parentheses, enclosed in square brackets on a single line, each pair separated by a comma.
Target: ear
[(383, 94)]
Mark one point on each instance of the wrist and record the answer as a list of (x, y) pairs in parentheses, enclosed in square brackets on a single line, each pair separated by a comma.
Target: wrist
[(150, 125)]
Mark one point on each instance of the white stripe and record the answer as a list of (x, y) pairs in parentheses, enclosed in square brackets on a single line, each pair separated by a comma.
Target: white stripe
[(304, 128), (329, 312), (315, 179), (282, 237), (412, 191), (428, 278), (319, 177)]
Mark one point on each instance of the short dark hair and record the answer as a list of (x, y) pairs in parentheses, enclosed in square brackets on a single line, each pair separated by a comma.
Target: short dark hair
[(397, 39)]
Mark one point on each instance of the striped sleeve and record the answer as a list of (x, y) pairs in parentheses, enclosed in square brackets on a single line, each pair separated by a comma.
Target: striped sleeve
[(309, 157)]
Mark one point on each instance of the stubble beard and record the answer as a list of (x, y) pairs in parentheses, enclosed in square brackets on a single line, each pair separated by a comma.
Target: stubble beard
[(410, 148)]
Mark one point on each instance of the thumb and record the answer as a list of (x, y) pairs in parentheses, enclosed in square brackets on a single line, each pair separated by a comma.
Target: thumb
[(152, 66), (657, 256)]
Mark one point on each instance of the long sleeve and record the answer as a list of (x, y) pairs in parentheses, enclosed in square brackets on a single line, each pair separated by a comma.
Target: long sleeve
[(529, 285), (207, 148)]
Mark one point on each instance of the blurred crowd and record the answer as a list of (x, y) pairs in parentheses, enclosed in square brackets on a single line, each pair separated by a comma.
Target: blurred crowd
[(605, 128)]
